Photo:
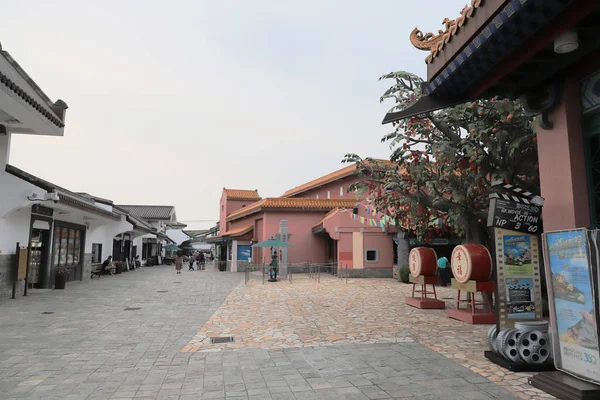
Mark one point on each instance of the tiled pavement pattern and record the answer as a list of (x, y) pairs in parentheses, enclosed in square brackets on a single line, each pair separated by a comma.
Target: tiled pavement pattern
[(91, 348), (361, 311)]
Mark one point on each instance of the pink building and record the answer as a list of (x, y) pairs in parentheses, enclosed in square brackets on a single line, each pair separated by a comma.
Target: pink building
[(326, 223)]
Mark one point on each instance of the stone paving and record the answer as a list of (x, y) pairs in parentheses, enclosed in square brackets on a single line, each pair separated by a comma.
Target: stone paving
[(91, 348), (343, 342), (361, 311)]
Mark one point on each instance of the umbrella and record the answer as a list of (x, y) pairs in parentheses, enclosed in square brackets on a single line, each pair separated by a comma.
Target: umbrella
[(187, 247), (172, 247), (272, 243)]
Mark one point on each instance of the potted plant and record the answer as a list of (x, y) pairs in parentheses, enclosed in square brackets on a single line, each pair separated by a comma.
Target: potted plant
[(60, 277), (118, 267)]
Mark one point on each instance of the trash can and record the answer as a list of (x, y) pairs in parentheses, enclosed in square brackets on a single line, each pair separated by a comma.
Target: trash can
[(222, 265)]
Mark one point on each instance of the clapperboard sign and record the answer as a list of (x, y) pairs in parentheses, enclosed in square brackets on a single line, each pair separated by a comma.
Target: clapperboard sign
[(515, 216), (517, 212)]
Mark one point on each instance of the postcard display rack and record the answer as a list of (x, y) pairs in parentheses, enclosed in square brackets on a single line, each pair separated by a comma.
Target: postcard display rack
[(572, 270), (423, 271), (515, 223)]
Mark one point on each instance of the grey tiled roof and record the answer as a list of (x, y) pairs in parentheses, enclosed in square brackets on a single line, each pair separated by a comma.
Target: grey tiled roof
[(149, 212)]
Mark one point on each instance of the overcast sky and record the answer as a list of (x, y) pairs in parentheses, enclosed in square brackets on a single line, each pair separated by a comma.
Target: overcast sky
[(169, 102)]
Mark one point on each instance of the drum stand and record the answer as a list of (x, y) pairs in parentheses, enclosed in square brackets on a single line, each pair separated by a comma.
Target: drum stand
[(472, 314), (422, 300)]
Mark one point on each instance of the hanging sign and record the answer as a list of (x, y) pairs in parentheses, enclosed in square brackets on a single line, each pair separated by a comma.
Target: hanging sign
[(570, 268), (514, 215), (41, 210)]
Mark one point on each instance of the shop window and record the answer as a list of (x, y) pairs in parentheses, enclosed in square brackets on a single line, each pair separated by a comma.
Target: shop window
[(67, 246), (372, 255), (96, 253)]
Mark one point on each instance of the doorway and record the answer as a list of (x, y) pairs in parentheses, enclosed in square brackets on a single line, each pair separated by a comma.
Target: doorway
[(38, 255)]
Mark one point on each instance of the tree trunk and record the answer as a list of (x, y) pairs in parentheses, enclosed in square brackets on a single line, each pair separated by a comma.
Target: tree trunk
[(475, 232), (403, 250)]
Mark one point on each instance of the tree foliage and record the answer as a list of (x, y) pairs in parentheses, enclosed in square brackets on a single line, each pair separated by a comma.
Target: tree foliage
[(443, 163)]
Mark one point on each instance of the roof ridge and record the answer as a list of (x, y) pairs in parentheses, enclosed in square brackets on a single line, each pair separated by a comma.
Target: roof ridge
[(327, 178), (304, 203)]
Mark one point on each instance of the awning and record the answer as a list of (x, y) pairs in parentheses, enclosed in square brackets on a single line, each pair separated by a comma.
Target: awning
[(424, 105), (237, 232)]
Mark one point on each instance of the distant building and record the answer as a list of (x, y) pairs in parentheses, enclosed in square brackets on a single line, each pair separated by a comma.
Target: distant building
[(327, 224)]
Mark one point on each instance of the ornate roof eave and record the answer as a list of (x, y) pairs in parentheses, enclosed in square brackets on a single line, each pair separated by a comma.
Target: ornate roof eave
[(435, 43)]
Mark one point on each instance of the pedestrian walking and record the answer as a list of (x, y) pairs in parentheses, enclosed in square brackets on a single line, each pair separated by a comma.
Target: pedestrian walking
[(191, 263), (200, 261), (179, 262), (443, 271)]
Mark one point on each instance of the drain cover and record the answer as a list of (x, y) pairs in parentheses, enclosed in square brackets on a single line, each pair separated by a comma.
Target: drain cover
[(133, 308), (161, 291), (225, 339), (48, 312)]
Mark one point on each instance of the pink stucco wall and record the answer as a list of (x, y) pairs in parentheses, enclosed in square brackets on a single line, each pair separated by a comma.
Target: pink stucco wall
[(305, 245), (562, 165), (385, 246), (345, 249), (340, 227), (226, 207), (333, 188)]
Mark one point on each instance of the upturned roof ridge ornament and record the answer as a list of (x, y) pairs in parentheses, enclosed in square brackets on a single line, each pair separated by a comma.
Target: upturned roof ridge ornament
[(434, 43)]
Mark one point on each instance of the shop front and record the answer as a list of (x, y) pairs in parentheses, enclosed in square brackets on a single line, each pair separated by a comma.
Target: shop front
[(39, 246), (68, 249), (52, 244)]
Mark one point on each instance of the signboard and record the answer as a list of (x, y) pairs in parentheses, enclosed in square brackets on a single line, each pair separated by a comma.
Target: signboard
[(572, 297), (41, 210), (22, 266), (518, 277), (516, 216), (244, 253)]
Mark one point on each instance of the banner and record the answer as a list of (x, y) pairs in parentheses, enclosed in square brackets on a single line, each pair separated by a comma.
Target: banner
[(573, 308), (381, 219)]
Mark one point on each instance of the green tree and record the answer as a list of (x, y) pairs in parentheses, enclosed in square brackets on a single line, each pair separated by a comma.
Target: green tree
[(443, 163)]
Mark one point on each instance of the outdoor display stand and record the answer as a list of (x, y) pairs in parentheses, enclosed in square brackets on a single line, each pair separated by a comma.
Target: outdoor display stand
[(423, 271), (572, 270), (472, 269), (515, 224)]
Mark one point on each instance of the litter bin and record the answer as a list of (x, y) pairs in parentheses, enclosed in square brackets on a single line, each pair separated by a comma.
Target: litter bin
[(222, 265)]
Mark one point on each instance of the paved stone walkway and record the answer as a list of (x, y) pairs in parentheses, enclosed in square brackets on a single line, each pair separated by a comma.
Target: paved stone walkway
[(90, 347), (361, 311)]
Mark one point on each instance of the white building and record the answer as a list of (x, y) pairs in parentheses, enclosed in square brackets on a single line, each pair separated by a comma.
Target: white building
[(58, 227)]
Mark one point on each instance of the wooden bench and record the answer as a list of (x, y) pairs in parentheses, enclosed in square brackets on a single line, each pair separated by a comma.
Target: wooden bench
[(98, 271)]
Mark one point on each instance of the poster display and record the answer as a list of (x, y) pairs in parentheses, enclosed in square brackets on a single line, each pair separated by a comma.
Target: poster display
[(244, 253), (569, 270), (518, 277)]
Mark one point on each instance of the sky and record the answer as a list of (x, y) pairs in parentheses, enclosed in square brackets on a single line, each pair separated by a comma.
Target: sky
[(169, 102)]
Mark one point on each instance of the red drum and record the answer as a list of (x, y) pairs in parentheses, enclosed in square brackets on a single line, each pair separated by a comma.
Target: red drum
[(422, 261), (471, 262)]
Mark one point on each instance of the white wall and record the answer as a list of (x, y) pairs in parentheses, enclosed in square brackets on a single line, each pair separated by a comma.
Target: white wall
[(14, 228), (104, 234)]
